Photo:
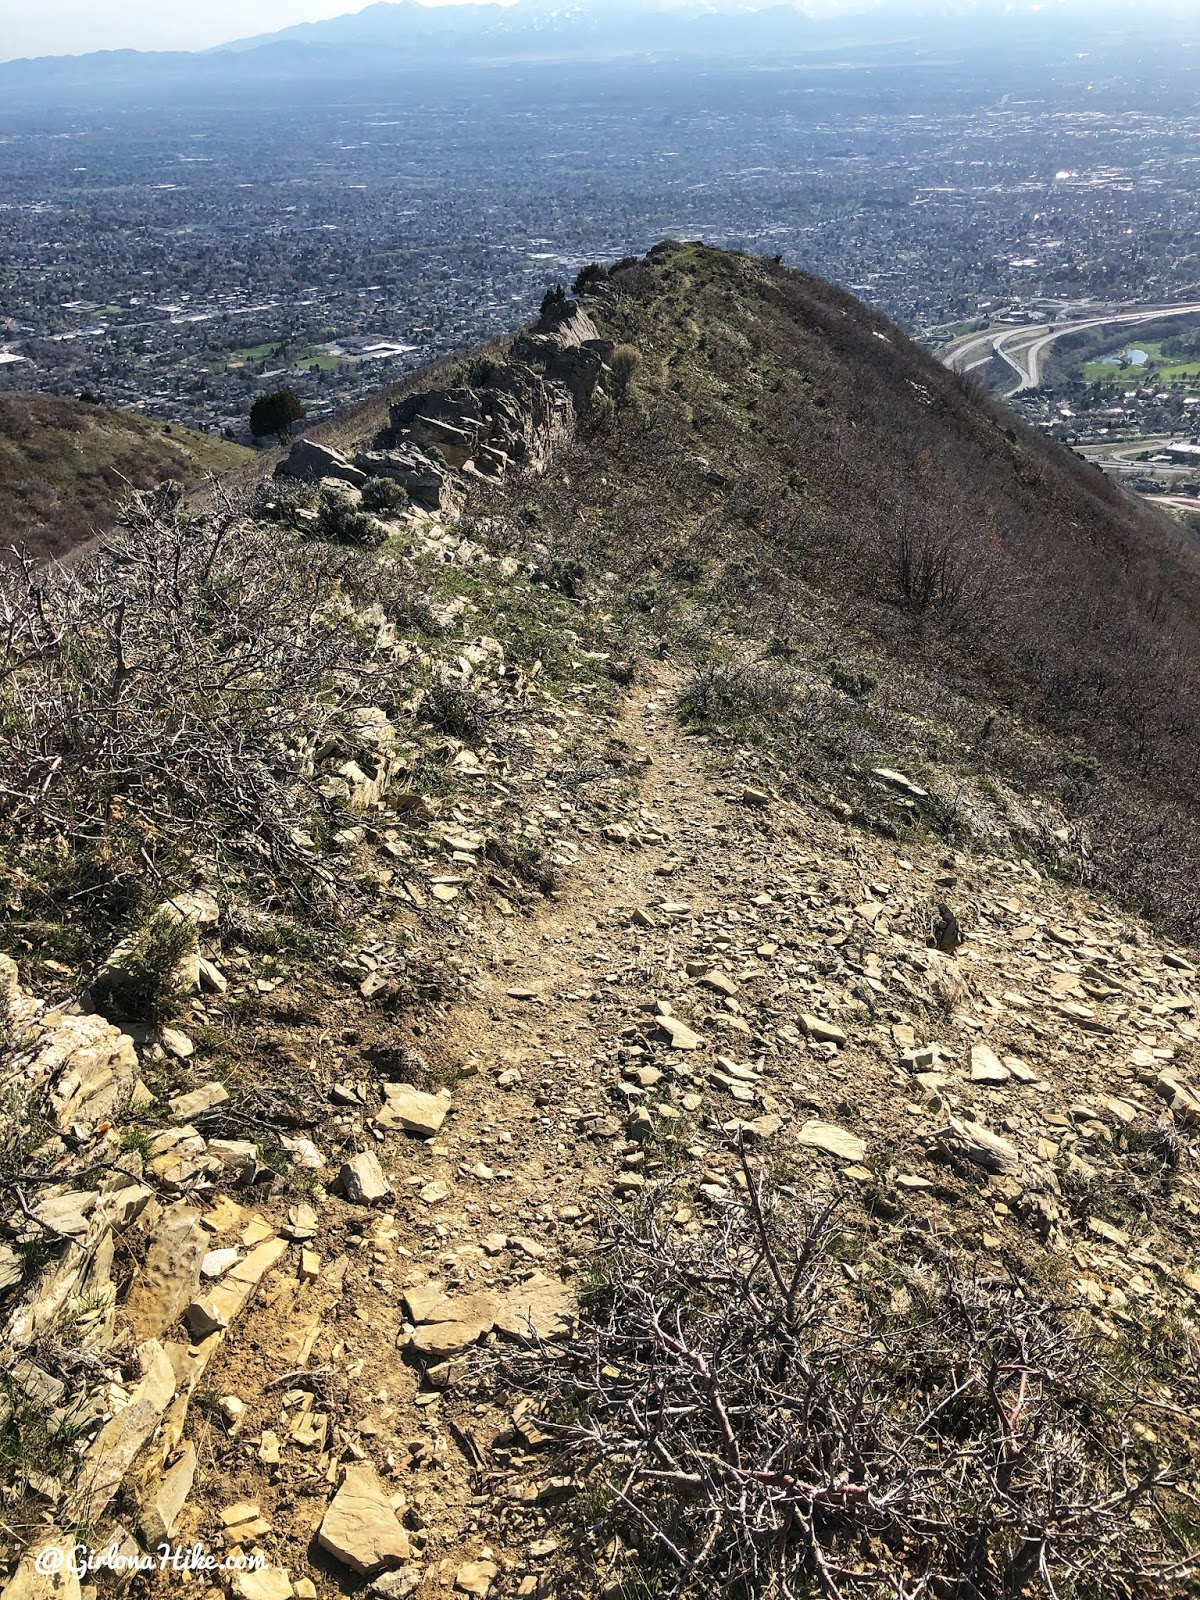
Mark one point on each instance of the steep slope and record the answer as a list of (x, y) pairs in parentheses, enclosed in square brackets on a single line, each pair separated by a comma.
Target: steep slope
[(548, 1052), (802, 482), (66, 465)]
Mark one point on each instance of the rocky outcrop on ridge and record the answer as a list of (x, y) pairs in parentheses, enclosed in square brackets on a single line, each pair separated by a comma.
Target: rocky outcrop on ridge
[(514, 417), (522, 409)]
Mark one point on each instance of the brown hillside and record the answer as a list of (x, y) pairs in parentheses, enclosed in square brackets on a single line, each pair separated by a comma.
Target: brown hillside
[(65, 466)]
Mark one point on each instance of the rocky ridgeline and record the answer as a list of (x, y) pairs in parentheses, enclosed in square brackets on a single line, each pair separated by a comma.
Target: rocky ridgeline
[(515, 416), (302, 1352)]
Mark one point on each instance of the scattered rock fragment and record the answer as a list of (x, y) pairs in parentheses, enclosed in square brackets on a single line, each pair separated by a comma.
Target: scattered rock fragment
[(267, 1583), (362, 1180), (833, 1140), (171, 1274), (823, 1032), (681, 1036), (476, 1578), (360, 1528), (413, 1110), (719, 982), (209, 1095), (897, 780), (979, 1145), (986, 1066), (159, 1514)]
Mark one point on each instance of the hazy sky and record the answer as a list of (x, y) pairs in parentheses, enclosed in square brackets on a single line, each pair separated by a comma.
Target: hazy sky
[(70, 27)]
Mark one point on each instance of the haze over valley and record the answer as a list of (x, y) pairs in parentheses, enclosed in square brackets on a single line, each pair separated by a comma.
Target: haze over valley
[(182, 233)]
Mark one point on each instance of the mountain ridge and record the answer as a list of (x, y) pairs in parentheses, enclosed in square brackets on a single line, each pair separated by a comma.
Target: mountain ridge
[(388, 38), (676, 927)]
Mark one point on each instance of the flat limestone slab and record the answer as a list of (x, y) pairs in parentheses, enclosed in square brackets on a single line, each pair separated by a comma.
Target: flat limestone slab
[(833, 1140), (412, 1110), (360, 1528)]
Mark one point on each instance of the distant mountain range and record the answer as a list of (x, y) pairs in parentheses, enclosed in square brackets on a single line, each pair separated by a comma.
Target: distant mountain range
[(388, 38)]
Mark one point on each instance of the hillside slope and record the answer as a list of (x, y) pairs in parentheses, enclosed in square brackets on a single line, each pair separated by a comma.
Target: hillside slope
[(65, 466), (574, 1028), (804, 484)]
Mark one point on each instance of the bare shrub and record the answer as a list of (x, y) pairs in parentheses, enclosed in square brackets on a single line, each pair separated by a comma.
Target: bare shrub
[(624, 363), (737, 695), (930, 566), (162, 699), (744, 1419), (454, 708)]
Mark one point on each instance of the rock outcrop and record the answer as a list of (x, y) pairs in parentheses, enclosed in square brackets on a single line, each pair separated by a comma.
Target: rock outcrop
[(310, 462), (520, 411), (515, 417), (79, 1074)]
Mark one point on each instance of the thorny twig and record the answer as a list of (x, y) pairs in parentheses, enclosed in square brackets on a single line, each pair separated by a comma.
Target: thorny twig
[(754, 1424)]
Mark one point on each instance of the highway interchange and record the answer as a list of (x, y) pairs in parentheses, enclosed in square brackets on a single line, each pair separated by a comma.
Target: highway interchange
[(1023, 346)]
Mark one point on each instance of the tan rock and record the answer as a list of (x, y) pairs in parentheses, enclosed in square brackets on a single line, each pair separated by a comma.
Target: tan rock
[(360, 1528), (833, 1140), (158, 1516), (898, 780), (481, 1308), (238, 1158), (177, 1043), (186, 1106), (823, 1032), (302, 1222), (213, 1312), (27, 1583), (196, 906), (1183, 1101), (421, 1298), (987, 1067), (268, 1583), (217, 1262), (412, 1110), (66, 1215), (541, 1307), (438, 1341), (362, 1179), (240, 1511), (122, 1438), (171, 1275), (476, 1578), (681, 1036), (89, 1068), (980, 1146), (719, 983), (212, 979)]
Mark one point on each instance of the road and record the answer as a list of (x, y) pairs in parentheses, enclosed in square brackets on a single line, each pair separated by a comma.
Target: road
[(1174, 502), (1023, 347)]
